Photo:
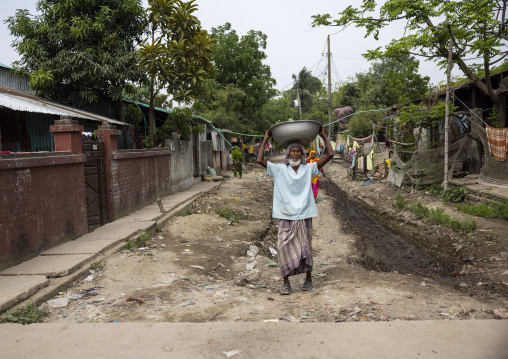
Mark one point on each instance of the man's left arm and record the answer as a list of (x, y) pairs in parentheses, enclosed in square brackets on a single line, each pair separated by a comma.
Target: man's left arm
[(329, 151)]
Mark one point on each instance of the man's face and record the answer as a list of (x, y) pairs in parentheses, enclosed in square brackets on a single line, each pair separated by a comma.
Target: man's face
[(295, 154)]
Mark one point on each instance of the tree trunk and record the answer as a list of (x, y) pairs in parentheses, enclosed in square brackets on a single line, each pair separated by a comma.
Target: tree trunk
[(121, 114), (501, 110)]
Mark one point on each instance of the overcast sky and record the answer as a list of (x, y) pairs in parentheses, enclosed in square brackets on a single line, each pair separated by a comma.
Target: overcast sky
[(292, 43)]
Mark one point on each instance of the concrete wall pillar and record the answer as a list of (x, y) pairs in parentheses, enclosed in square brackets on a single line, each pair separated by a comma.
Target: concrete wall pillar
[(67, 135), (107, 133)]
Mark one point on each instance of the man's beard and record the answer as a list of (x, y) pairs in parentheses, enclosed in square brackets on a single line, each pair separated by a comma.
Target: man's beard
[(294, 163)]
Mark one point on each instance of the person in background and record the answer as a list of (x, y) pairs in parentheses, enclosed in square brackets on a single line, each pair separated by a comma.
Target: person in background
[(238, 161), (315, 180), (294, 206)]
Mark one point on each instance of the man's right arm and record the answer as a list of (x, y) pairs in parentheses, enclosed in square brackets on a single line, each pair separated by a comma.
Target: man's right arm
[(261, 152)]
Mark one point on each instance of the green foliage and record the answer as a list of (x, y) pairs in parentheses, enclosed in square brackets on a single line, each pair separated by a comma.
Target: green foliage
[(141, 93), (478, 30), (184, 212), (242, 85), (137, 242), (454, 194), (400, 201), (487, 210), (305, 89), (439, 216), (97, 267), (76, 51), (133, 115), (229, 214), (176, 55), (25, 315), (180, 121)]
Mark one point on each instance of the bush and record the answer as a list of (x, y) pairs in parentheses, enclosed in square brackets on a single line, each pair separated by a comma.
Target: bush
[(455, 194)]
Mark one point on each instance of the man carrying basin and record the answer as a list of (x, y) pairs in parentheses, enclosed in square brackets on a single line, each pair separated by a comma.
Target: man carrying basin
[(293, 204)]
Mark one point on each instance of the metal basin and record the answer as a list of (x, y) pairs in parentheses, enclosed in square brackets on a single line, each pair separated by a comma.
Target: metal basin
[(303, 132)]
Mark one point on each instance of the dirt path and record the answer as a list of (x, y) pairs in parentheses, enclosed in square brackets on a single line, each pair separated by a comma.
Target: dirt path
[(198, 267)]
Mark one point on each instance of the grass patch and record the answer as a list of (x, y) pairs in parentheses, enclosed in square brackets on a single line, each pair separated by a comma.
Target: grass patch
[(494, 210), (97, 267), (229, 214), (184, 212), (139, 241), (400, 202), (25, 315), (439, 216)]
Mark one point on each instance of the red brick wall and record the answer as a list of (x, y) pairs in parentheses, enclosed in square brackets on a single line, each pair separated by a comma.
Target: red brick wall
[(43, 203), (137, 179)]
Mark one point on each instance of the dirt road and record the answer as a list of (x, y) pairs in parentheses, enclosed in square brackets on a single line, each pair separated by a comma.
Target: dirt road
[(204, 266)]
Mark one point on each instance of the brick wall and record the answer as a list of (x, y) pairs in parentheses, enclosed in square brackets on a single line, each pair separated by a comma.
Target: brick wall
[(43, 203), (138, 177)]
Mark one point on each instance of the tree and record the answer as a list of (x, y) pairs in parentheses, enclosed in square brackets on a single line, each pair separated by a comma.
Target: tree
[(304, 88), (222, 106), (478, 29), (176, 54), (397, 81), (141, 93), (239, 63), (75, 51)]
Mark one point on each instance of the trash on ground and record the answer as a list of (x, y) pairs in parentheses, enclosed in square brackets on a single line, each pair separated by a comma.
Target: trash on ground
[(197, 267), (272, 264), (272, 251), (253, 251), (58, 302), (231, 353), (130, 299), (251, 265)]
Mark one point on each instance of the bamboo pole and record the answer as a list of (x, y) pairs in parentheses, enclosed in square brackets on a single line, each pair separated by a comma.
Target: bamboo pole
[(447, 115)]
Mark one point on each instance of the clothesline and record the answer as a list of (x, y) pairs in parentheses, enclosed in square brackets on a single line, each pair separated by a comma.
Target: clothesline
[(469, 109)]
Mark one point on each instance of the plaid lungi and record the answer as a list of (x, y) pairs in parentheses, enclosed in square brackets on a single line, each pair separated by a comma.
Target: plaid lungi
[(498, 142), (295, 246)]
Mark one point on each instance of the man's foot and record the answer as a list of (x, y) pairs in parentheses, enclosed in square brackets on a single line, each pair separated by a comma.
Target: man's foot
[(286, 289), (307, 285)]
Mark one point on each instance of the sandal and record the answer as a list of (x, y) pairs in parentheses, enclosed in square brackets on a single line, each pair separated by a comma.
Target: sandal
[(286, 289), (307, 285)]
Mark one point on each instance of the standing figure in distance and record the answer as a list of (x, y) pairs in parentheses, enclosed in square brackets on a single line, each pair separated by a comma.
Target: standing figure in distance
[(315, 180)]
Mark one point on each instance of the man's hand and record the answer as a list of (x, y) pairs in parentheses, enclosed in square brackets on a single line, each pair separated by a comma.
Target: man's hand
[(261, 152), (322, 132)]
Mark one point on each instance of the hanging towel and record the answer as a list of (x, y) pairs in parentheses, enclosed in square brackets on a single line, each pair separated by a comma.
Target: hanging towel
[(498, 142)]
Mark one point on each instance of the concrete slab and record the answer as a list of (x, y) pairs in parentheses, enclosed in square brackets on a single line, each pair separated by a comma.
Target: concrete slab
[(50, 266), (117, 230), (82, 247), (465, 339), (15, 289)]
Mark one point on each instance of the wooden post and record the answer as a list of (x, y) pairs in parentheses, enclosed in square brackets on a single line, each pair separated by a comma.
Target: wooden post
[(329, 92)]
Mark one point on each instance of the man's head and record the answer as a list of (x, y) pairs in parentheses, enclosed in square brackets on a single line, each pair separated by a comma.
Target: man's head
[(294, 155)]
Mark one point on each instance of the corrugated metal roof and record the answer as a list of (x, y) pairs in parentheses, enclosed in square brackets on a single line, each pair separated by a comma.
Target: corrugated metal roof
[(30, 103)]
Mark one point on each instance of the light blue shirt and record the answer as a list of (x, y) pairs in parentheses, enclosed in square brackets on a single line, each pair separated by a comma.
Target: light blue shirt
[(292, 192)]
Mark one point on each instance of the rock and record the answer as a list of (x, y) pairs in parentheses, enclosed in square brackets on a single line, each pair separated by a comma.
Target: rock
[(500, 314), (357, 310), (58, 302)]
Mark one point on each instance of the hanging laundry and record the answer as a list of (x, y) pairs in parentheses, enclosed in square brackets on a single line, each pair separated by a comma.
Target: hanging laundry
[(498, 142), (463, 122)]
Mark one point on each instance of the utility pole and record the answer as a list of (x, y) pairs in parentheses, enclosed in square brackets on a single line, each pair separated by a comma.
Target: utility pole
[(447, 115), (329, 92)]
